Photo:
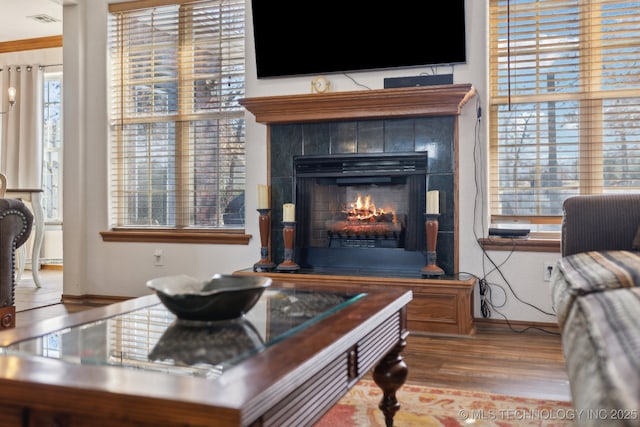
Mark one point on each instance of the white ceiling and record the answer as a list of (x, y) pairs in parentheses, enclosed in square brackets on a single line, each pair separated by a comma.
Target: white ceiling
[(16, 24)]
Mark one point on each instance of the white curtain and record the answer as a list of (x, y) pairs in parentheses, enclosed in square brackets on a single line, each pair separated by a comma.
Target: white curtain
[(21, 137)]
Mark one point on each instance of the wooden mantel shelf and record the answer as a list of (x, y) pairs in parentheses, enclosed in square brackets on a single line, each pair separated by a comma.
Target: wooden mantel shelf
[(441, 100)]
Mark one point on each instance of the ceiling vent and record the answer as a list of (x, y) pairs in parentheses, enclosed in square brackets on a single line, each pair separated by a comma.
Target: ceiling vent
[(44, 19)]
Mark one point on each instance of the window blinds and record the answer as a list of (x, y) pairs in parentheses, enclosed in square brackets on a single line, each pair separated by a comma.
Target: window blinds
[(565, 103), (177, 130)]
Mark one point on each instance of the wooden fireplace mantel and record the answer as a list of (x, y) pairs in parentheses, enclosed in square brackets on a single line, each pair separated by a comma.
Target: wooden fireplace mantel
[(441, 100)]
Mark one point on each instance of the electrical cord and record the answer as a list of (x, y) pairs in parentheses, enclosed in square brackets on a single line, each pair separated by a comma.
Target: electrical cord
[(487, 305), (356, 82), (434, 71)]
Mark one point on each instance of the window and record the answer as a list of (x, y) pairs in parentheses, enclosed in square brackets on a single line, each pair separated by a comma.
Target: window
[(52, 148), (177, 130), (565, 104)]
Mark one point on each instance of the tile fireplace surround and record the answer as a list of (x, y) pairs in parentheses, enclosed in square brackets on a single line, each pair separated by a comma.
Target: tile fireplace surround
[(398, 120)]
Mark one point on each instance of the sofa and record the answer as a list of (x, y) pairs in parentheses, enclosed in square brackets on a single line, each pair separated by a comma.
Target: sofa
[(16, 222), (596, 295)]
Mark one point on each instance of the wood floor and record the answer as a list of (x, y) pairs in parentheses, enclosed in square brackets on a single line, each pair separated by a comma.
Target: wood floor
[(528, 364)]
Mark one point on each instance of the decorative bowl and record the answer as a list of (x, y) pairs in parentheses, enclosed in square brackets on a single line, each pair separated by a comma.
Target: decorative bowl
[(222, 297)]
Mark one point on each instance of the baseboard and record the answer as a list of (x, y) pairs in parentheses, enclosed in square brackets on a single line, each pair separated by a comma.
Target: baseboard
[(89, 299), (517, 325), (57, 267)]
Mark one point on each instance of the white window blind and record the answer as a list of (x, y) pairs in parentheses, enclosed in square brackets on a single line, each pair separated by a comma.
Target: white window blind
[(177, 130), (565, 103)]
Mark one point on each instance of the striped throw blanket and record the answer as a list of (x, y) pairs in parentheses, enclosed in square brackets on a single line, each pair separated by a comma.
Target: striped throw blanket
[(595, 271), (601, 345), (597, 298)]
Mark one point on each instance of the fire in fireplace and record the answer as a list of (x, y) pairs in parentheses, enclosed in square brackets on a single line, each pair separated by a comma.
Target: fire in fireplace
[(362, 224), (361, 211)]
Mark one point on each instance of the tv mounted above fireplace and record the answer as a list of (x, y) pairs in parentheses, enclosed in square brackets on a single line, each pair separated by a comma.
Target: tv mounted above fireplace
[(294, 37)]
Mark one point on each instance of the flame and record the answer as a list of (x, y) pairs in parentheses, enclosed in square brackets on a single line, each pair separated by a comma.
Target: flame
[(362, 210)]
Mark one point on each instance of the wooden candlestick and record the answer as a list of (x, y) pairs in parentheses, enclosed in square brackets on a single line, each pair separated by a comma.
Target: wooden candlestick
[(431, 226), (288, 233), (264, 222)]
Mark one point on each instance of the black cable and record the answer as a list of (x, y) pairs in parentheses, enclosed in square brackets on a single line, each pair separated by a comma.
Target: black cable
[(485, 288), (513, 292), (486, 305), (356, 82), (525, 329)]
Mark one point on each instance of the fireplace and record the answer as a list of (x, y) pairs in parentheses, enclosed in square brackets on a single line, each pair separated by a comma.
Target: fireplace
[(373, 127), (385, 122), (361, 212), (324, 167)]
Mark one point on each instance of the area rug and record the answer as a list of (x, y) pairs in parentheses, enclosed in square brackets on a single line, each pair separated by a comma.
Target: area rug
[(438, 407)]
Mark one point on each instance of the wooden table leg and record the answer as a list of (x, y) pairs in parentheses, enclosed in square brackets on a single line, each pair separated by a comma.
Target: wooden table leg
[(390, 374)]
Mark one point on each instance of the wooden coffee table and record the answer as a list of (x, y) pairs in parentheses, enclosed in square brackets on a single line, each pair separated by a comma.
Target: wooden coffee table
[(287, 362)]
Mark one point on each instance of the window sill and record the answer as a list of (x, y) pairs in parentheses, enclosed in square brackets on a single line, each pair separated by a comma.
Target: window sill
[(177, 236), (516, 244)]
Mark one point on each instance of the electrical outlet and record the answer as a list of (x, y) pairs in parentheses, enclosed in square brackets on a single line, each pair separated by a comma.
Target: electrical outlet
[(548, 269), (158, 258)]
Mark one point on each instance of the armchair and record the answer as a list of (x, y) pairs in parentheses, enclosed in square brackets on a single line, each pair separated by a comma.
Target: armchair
[(16, 222)]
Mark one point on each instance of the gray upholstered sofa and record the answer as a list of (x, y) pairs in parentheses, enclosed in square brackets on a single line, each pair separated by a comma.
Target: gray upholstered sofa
[(596, 294), (16, 221)]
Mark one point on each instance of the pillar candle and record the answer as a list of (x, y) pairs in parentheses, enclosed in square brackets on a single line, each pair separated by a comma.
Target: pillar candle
[(263, 196), (433, 202), (288, 212)]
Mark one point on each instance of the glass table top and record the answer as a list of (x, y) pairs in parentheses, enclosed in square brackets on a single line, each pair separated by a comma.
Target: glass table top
[(153, 339)]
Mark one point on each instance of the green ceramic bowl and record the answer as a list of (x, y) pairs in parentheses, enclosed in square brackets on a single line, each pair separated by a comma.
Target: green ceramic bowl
[(222, 297)]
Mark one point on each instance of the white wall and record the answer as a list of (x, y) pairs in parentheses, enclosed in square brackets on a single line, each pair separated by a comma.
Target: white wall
[(96, 267), (52, 56)]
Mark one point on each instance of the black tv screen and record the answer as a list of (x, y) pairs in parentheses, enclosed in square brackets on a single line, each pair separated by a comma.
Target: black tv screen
[(301, 37)]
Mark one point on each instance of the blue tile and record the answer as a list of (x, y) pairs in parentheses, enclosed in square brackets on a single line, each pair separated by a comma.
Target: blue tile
[(399, 136), (435, 135), (316, 138), (286, 142), (343, 137), (371, 136)]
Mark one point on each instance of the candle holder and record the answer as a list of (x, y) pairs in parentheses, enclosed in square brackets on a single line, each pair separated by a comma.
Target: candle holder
[(431, 226), (264, 222), (288, 233)]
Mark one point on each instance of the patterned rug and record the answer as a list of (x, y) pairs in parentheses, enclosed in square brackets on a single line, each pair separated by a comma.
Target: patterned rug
[(437, 407)]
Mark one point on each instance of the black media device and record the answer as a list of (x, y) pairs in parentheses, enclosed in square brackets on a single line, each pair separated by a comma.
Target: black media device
[(293, 37), (436, 79), (509, 232)]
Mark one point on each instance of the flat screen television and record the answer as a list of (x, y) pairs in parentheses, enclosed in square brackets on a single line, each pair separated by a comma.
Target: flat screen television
[(300, 37)]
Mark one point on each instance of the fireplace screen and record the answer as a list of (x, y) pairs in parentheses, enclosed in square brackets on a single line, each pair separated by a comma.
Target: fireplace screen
[(348, 216), (361, 211)]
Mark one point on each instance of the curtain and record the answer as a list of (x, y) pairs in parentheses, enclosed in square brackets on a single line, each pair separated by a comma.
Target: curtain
[(21, 136)]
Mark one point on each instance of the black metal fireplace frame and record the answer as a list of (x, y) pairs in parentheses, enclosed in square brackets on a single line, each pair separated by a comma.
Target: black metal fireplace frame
[(361, 169)]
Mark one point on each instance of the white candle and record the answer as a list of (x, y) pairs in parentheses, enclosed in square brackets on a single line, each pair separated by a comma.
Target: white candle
[(288, 212), (433, 202), (263, 196)]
